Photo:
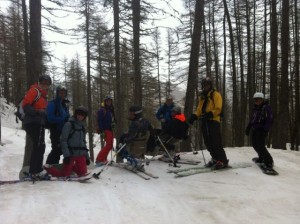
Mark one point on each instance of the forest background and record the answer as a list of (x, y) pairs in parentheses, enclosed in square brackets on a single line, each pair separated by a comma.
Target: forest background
[(244, 45)]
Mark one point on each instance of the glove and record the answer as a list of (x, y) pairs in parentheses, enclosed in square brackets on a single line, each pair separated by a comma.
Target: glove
[(88, 162), (207, 116), (193, 117), (247, 131), (66, 160)]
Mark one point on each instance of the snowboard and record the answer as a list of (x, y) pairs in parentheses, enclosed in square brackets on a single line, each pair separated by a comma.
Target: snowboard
[(268, 171)]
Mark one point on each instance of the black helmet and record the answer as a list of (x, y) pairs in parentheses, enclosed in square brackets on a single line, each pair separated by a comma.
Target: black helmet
[(135, 109), (45, 78), (60, 88), (176, 110), (206, 81), (81, 110)]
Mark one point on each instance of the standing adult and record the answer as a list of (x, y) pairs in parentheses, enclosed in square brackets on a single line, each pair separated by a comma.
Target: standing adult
[(164, 113), (106, 120), (34, 105), (260, 122), (209, 112), (57, 115)]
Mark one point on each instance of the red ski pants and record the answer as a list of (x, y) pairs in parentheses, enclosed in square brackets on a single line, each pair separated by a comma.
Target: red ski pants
[(77, 165), (109, 138)]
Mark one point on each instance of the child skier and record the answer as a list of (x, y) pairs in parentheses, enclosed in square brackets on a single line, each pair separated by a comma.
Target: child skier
[(73, 145)]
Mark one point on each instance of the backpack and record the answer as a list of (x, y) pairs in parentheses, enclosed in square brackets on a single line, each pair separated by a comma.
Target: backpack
[(20, 113), (75, 129), (212, 99)]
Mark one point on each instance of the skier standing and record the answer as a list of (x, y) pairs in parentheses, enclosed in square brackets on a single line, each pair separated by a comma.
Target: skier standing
[(260, 122), (34, 105), (106, 120), (57, 115), (164, 112), (209, 112)]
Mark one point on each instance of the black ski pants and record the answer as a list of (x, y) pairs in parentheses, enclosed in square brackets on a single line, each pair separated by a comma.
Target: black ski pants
[(36, 133), (213, 140), (258, 143), (54, 155)]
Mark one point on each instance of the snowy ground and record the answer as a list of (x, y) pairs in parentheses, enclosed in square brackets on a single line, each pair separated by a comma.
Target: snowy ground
[(234, 196)]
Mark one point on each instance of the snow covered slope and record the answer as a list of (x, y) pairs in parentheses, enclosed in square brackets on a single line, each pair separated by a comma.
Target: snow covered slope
[(120, 197)]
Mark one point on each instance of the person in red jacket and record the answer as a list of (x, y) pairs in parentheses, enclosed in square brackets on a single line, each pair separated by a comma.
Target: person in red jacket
[(34, 105)]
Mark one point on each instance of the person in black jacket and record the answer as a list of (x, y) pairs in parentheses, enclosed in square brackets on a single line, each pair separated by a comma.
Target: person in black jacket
[(175, 131)]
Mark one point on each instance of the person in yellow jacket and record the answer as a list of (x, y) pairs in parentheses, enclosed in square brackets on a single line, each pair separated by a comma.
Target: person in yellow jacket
[(209, 112)]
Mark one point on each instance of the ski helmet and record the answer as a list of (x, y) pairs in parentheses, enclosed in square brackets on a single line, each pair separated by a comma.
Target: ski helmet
[(61, 88), (258, 95), (206, 81), (45, 78), (135, 109), (176, 110), (81, 110)]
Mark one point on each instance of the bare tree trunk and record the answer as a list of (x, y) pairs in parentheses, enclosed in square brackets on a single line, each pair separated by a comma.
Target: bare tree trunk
[(274, 71), (35, 41), (26, 43), (235, 103), (283, 115), (194, 61), (89, 92), (225, 116), (136, 18), (119, 99), (297, 74)]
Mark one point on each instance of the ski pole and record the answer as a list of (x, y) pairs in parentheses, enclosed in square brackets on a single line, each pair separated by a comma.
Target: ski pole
[(96, 175), (173, 160)]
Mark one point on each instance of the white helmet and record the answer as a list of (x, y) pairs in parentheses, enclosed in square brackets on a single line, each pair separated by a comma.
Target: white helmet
[(258, 95)]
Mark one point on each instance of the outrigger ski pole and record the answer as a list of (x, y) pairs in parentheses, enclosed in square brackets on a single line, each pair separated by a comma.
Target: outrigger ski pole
[(96, 175), (175, 159)]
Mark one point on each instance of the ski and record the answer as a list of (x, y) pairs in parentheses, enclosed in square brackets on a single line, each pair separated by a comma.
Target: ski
[(141, 173), (268, 171), (176, 159), (186, 169), (65, 179), (207, 170)]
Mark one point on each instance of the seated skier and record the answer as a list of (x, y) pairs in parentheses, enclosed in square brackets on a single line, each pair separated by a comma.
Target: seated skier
[(135, 139), (73, 145), (175, 131)]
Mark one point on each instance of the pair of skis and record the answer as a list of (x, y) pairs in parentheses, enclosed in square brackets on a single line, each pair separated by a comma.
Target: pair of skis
[(139, 172), (81, 179), (184, 172)]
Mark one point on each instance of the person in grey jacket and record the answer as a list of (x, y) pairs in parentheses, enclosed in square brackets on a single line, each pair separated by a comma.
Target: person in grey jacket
[(73, 145)]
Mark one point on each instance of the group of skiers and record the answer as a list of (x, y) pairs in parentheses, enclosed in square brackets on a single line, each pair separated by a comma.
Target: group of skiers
[(68, 135)]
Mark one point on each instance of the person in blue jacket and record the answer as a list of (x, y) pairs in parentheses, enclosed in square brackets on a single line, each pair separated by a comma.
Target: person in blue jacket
[(164, 113), (57, 116)]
